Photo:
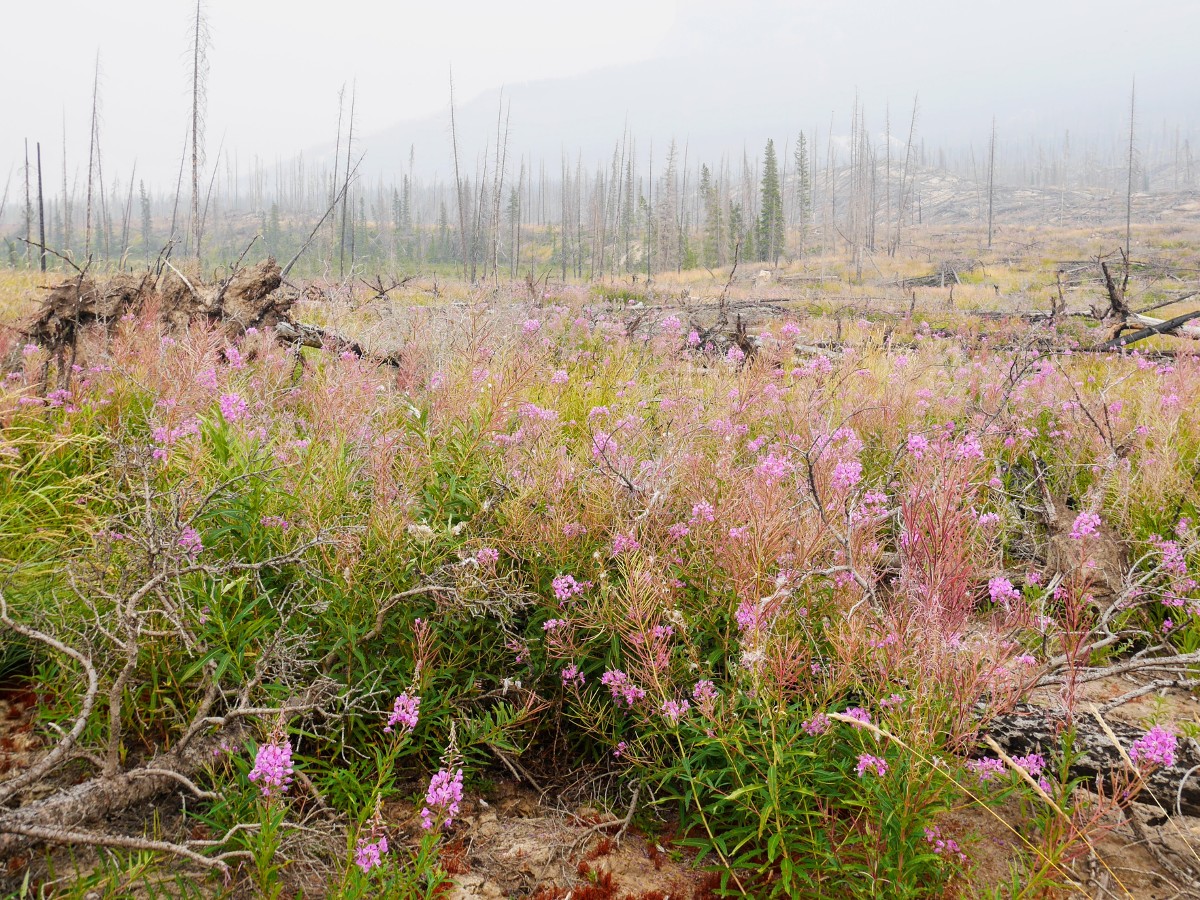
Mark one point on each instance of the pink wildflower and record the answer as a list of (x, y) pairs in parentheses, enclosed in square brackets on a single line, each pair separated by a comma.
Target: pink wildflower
[(623, 542), (674, 710), (369, 854), (986, 768), (565, 587), (233, 407), (869, 763), (1154, 748), (273, 766), (443, 798), (622, 687), (846, 474), (189, 540), (817, 725), (1002, 592), (405, 713), (1086, 525)]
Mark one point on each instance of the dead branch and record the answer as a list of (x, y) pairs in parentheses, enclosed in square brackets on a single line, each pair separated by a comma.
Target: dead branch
[(1169, 325)]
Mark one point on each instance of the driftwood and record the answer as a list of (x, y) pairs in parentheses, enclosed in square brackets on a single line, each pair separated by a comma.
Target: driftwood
[(1032, 729)]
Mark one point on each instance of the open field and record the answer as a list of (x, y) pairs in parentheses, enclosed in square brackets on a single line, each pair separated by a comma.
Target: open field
[(868, 576)]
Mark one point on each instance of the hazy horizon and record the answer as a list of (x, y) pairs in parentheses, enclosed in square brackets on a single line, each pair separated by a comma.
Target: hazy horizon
[(578, 75)]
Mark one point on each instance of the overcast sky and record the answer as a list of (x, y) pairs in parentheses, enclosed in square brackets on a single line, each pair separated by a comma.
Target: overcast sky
[(276, 65)]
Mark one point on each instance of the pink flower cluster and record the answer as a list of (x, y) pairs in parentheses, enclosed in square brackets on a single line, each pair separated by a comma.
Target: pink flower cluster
[(674, 710), (986, 768), (706, 694), (1154, 748), (369, 854), (443, 798), (859, 714), (622, 687), (868, 763), (846, 474), (406, 711), (565, 587), (233, 407), (1086, 525), (944, 846), (817, 725), (1002, 592), (190, 542), (624, 542), (273, 767)]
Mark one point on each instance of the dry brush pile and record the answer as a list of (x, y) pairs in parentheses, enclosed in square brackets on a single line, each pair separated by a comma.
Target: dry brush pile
[(287, 609)]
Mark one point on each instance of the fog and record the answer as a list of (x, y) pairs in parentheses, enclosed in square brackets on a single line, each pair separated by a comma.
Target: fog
[(713, 76)]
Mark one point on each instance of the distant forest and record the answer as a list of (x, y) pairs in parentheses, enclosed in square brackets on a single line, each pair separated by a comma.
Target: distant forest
[(649, 208)]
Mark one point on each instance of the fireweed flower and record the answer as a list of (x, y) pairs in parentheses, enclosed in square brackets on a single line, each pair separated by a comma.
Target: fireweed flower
[(817, 725), (869, 763), (917, 445), (1033, 763), (443, 798), (189, 540), (773, 468), (622, 687), (1086, 525), (405, 713), (705, 694), (674, 710), (272, 770), (233, 407), (565, 587), (1154, 748), (487, 556), (986, 768), (572, 675), (369, 854), (1002, 592), (846, 474), (859, 714), (623, 542)]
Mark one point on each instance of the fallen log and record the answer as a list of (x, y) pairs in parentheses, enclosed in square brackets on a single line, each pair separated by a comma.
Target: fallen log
[(1032, 729), (1119, 342), (250, 297), (103, 797)]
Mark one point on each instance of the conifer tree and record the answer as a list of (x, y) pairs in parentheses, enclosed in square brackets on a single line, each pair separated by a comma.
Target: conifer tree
[(770, 219), (803, 190)]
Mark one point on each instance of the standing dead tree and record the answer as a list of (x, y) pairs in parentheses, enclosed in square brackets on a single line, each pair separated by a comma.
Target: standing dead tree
[(458, 185), (905, 184), (346, 187), (199, 53)]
